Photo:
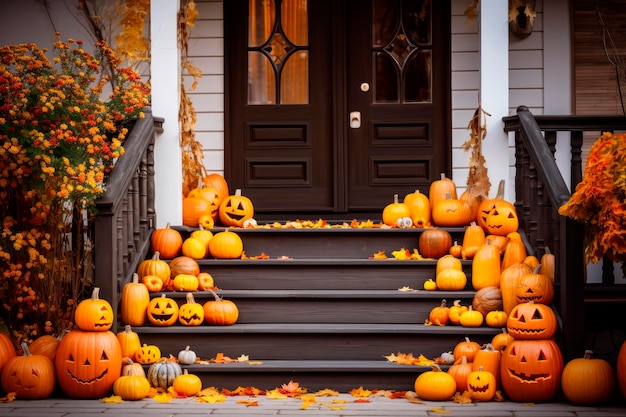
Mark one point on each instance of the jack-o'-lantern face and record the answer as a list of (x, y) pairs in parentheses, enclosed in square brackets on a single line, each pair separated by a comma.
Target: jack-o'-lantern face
[(94, 314), (162, 311), (88, 363), (501, 219), (536, 288), (531, 370), (235, 210), (209, 194), (191, 313), (29, 376), (481, 385), (530, 321)]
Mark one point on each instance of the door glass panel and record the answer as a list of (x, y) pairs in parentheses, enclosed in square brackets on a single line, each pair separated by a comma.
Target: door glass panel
[(278, 52), (401, 48)]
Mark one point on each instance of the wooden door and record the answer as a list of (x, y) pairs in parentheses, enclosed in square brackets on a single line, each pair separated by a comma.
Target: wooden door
[(334, 106)]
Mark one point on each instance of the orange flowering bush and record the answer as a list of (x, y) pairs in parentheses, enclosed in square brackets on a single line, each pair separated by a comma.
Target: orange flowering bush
[(599, 200), (59, 138)]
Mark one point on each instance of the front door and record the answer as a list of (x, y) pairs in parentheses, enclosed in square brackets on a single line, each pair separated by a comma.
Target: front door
[(334, 106)]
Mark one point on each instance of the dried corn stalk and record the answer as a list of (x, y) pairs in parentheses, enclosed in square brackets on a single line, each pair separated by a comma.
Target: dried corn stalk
[(192, 156), (477, 180)]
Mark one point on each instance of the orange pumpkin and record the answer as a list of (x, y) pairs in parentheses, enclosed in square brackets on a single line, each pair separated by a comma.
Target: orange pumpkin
[(488, 358), (451, 212), (434, 243), (419, 207), (548, 265), (129, 342), (134, 302), (226, 245), (448, 262), (46, 345), (236, 209), (218, 182), (439, 315), (502, 340), (193, 209), (481, 385), (209, 194), (530, 321), (220, 312), (166, 241), (195, 248), (438, 190), (504, 220), (29, 376), (509, 278), (155, 266), (473, 200), (473, 239), (162, 311), (94, 314), (487, 299), (455, 311), (460, 370), (534, 287), (467, 348), (514, 251), (394, 211), (486, 267), (183, 265)]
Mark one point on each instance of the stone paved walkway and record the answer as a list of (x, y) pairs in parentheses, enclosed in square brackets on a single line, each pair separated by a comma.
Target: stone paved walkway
[(343, 405)]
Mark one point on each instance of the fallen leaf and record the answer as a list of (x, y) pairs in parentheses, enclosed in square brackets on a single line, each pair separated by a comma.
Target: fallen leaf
[(406, 289), (412, 397), (275, 394), (10, 397), (243, 358), (462, 398), (362, 400), (211, 398), (380, 255), (162, 398), (292, 388), (360, 392), (113, 399), (248, 403), (327, 392), (335, 407), (440, 410), (339, 401), (401, 254)]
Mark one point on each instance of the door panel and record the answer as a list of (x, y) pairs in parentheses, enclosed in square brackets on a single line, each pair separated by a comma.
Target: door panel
[(386, 60)]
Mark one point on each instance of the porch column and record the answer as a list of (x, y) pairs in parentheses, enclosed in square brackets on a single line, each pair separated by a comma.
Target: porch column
[(165, 80), (494, 91)]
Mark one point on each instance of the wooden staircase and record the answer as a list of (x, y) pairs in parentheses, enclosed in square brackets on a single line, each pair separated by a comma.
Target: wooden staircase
[(319, 312)]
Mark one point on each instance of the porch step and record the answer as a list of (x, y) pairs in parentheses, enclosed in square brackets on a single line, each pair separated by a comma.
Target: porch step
[(320, 310), (314, 375)]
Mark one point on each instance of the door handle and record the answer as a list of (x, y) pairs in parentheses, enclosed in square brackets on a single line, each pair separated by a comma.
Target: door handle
[(355, 119)]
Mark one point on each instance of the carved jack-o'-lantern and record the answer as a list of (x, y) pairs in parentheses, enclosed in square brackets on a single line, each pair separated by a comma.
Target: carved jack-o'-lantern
[(29, 376), (501, 219), (88, 363), (481, 385), (531, 370), (94, 314), (534, 287), (162, 311), (209, 194), (191, 313), (236, 209), (530, 321)]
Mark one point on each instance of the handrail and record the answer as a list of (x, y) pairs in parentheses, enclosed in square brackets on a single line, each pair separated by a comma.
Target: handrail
[(125, 213), (541, 190)]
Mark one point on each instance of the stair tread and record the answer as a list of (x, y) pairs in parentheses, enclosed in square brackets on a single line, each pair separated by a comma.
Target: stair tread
[(308, 365), (317, 293), (304, 328), (323, 261)]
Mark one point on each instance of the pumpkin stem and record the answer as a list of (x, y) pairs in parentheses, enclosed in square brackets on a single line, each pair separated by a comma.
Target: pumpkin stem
[(127, 329), (588, 354), (436, 368), (443, 175), (547, 249), (95, 295), (214, 294), (395, 199), (190, 299), (537, 269), (25, 349), (156, 256), (135, 278), (238, 192), (500, 194)]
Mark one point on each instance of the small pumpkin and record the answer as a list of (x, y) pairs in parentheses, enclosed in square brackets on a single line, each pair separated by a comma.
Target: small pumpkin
[(548, 265), (219, 311), (236, 209), (29, 376), (467, 348), (187, 356), (502, 340), (394, 211), (473, 239), (152, 283), (430, 285), (439, 315), (186, 384), (134, 302), (162, 311), (205, 281), (456, 250), (162, 374), (203, 235), (129, 342), (455, 311), (500, 208), (131, 387), (434, 243), (481, 385), (193, 209), (147, 354), (496, 318), (460, 370), (588, 380), (226, 245), (209, 194), (183, 265), (191, 313), (195, 248), (45, 345), (487, 299), (155, 266), (471, 318), (448, 262), (451, 280), (94, 314), (419, 207), (488, 358), (186, 282), (166, 241), (435, 385), (132, 368)]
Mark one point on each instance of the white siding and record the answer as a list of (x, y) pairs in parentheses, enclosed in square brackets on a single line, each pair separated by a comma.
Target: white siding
[(206, 51)]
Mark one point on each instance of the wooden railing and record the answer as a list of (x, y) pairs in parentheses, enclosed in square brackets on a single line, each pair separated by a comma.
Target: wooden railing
[(125, 213), (540, 190)]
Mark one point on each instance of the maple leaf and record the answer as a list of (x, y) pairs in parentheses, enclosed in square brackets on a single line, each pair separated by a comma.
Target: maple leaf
[(327, 392), (401, 254), (336, 407), (416, 255), (292, 388), (362, 400), (380, 255), (248, 403), (392, 358), (211, 396), (10, 397), (405, 289), (163, 398), (440, 410), (275, 394), (243, 358), (412, 397), (360, 392), (462, 398), (113, 399)]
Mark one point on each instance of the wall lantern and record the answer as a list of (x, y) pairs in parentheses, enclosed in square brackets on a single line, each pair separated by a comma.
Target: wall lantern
[(521, 17)]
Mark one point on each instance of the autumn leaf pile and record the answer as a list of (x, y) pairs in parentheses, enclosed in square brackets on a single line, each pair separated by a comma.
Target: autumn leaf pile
[(599, 199)]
